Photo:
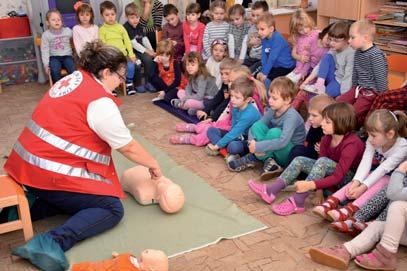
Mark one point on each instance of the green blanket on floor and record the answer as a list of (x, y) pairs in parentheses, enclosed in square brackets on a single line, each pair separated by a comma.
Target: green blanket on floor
[(206, 218)]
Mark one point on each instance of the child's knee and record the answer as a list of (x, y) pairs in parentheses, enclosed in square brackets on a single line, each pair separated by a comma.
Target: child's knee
[(274, 133)]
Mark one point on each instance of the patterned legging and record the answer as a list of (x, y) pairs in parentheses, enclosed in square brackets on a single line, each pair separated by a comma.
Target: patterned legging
[(316, 169), (376, 207)]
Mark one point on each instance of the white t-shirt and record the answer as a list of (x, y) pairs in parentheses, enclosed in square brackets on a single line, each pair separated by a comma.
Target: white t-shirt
[(105, 120)]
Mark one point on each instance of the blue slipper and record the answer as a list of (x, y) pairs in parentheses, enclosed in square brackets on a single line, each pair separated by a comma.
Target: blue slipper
[(150, 88), (43, 252)]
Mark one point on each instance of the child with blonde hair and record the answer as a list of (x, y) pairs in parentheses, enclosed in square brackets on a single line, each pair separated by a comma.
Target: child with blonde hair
[(340, 154), (201, 85), (85, 31), (305, 36), (386, 148), (56, 51), (167, 77)]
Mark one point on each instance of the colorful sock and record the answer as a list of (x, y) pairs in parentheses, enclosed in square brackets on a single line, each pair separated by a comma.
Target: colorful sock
[(276, 187), (329, 202), (300, 199)]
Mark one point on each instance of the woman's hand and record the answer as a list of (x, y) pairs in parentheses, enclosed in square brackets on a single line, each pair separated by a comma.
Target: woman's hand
[(304, 186)]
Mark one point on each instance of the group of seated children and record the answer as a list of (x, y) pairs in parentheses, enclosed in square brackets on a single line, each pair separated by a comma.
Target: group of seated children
[(245, 83)]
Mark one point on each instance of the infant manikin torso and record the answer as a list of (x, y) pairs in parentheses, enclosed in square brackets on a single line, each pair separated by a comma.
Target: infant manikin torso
[(138, 182)]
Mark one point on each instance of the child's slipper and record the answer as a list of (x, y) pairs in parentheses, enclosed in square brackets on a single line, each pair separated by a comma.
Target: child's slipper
[(261, 191), (287, 207)]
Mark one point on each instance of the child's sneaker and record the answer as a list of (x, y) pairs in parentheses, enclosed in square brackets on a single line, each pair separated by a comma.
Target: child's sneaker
[(330, 204), (294, 77), (130, 89), (336, 257), (230, 157), (316, 88), (180, 139), (243, 163), (379, 259), (185, 127), (176, 103), (150, 88), (114, 93), (270, 170), (343, 213)]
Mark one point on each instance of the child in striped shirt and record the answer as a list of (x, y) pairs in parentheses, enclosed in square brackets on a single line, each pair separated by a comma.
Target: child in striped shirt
[(238, 33)]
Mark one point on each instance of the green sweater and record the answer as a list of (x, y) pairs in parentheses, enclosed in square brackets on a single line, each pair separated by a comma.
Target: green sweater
[(116, 35)]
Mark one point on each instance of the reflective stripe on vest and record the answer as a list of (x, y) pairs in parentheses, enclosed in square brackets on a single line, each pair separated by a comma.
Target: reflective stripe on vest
[(64, 145), (55, 166)]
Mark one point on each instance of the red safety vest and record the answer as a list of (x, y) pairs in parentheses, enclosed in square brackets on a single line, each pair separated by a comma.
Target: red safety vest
[(57, 150)]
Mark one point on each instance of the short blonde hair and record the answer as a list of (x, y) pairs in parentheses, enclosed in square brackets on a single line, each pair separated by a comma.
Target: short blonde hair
[(300, 19), (228, 63), (365, 27), (165, 47), (319, 102), (267, 18), (284, 87)]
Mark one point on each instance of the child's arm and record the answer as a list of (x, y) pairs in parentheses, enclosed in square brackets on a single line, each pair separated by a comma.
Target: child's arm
[(102, 34), (240, 127), (206, 45), (355, 77), (45, 49), (231, 46), (127, 43), (365, 164), (157, 13), (137, 46), (165, 35), (268, 62), (201, 89), (346, 83), (202, 28), (243, 50), (380, 69), (185, 34), (178, 74), (393, 160), (157, 81), (77, 41), (396, 189)]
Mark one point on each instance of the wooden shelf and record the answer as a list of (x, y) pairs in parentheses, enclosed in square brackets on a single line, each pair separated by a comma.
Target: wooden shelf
[(391, 23), (391, 50)]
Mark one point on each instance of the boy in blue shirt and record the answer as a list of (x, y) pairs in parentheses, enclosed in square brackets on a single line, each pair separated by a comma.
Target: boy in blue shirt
[(276, 59)]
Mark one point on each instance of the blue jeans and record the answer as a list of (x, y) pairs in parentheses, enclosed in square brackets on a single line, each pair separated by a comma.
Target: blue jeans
[(234, 147), (132, 70), (57, 62), (90, 214), (326, 71), (149, 68)]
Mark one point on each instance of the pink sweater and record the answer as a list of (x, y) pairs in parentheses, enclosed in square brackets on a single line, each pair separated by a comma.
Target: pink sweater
[(193, 38)]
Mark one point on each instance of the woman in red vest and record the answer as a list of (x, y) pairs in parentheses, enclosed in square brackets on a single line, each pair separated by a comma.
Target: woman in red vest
[(63, 156)]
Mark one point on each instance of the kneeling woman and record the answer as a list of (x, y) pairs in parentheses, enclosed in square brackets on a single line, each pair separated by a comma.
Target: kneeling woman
[(63, 156)]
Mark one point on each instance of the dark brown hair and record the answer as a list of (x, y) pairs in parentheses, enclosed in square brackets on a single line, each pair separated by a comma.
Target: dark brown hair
[(97, 56), (236, 9), (261, 5), (284, 87), (244, 86), (383, 121), (343, 117), (131, 9), (218, 4), (324, 31), (339, 30), (169, 9), (193, 8), (107, 5), (196, 57), (83, 8)]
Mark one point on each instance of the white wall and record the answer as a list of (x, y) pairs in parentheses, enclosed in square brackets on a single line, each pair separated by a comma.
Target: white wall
[(8, 5)]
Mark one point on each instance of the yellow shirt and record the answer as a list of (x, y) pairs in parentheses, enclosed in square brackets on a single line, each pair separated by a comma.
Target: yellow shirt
[(116, 35)]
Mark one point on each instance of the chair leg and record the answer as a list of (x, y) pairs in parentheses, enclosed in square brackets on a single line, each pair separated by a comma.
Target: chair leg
[(25, 217), (50, 79), (124, 89)]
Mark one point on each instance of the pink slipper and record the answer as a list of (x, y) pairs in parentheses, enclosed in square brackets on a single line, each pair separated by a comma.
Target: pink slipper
[(261, 191), (185, 127), (287, 207), (180, 139)]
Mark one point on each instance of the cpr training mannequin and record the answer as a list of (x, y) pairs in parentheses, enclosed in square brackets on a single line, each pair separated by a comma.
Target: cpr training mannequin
[(138, 182), (150, 260)]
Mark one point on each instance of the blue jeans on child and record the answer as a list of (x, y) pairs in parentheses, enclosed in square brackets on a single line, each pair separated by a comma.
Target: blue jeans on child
[(149, 68), (327, 71), (234, 147), (57, 62), (90, 214), (132, 70)]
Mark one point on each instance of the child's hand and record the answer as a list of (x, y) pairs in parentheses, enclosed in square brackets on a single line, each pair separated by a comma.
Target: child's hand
[(316, 147), (46, 70), (150, 52), (318, 197), (226, 95), (201, 114), (304, 186), (252, 146), (174, 42), (354, 184), (403, 167), (213, 147), (304, 58), (356, 192), (133, 59), (261, 77)]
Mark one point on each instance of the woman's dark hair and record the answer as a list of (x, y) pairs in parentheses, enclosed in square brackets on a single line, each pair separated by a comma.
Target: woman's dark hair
[(96, 56)]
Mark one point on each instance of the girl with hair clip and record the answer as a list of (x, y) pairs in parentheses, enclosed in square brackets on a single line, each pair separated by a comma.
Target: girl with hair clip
[(384, 237), (229, 128), (201, 85), (167, 77), (85, 31), (340, 154), (386, 148), (219, 50), (306, 39)]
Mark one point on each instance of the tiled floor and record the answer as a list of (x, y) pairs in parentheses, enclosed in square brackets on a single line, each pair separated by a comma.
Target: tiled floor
[(283, 246)]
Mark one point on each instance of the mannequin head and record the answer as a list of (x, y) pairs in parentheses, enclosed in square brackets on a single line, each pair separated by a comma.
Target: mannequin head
[(153, 260), (138, 182)]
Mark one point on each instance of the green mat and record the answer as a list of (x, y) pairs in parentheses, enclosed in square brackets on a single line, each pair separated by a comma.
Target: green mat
[(206, 218)]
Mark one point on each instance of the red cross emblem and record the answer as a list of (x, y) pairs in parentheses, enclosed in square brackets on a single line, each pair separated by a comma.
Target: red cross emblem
[(64, 83)]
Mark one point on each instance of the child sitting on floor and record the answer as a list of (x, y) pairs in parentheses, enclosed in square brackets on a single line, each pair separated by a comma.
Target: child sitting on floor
[(340, 154), (272, 138), (386, 147), (201, 85), (385, 235)]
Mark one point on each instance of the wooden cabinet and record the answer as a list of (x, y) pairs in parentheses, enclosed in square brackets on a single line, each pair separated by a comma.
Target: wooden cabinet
[(345, 10)]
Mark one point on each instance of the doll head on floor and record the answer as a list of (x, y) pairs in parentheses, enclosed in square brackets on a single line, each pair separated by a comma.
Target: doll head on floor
[(150, 260), (138, 182)]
